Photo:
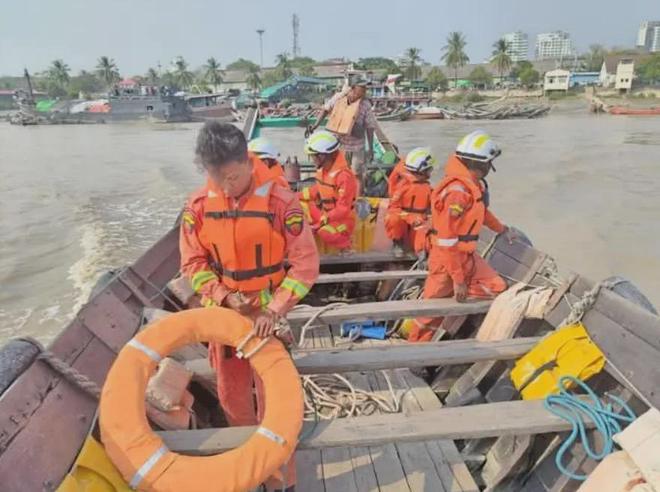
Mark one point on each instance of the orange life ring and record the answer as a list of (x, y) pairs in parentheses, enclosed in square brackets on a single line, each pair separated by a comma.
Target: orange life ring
[(142, 457)]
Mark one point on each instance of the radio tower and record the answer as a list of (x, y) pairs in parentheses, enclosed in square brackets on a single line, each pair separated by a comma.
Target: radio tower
[(296, 28)]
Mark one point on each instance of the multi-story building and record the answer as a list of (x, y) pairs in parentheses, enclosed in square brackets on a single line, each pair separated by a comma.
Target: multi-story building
[(655, 40), (518, 45), (554, 45), (648, 36)]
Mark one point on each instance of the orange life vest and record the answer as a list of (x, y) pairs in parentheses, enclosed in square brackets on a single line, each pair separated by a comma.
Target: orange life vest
[(326, 182), (463, 233), (395, 177), (245, 249), (265, 173), (416, 197)]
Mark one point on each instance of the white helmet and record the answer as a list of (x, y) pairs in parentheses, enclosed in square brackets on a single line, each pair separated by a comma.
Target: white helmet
[(263, 148), (321, 142), (478, 146), (419, 160)]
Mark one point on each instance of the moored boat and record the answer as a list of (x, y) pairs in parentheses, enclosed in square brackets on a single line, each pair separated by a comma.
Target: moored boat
[(48, 399), (623, 110)]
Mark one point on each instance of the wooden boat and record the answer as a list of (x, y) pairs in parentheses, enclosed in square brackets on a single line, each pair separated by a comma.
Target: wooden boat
[(623, 110), (210, 107), (427, 113), (462, 433)]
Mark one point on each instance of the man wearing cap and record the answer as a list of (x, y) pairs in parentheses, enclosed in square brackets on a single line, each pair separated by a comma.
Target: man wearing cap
[(364, 125)]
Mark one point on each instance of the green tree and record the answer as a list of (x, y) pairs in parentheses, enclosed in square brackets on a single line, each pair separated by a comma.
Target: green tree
[(528, 76), (501, 57), (57, 78), (152, 76), (649, 69), (283, 66), (519, 67), (378, 63), (242, 64), (213, 74), (413, 70), (253, 80), (183, 77), (302, 61), (106, 69), (480, 77), (593, 61), (436, 79), (454, 54), (270, 78), (86, 83)]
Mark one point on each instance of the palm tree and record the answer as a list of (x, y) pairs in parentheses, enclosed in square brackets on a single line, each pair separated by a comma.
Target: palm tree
[(58, 73), (152, 76), (454, 53), (283, 66), (184, 78), (501, 57), (413, 71), (213, 73), (106, 69), (253, 80)]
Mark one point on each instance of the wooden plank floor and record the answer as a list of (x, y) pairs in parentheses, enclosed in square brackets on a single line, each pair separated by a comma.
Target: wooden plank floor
[(409, 467)]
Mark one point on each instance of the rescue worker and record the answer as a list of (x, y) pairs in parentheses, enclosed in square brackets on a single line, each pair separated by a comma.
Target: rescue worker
[(409, 208), (236, 232), (364, 126), (459, 208), (264, 150), (331, 199)]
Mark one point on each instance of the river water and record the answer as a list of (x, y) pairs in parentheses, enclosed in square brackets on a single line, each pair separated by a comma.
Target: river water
[(78, 200)]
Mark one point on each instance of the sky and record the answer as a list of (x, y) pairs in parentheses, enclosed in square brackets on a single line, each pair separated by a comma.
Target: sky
[(139, 34)]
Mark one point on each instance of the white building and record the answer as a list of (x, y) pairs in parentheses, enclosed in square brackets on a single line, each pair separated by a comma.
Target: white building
[(625, 72), (647, 36), (556, 80), (555, 45), (518, 45), (655, 43)]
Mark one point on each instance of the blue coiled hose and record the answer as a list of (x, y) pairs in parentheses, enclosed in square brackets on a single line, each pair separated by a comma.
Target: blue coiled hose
[(573, 409)]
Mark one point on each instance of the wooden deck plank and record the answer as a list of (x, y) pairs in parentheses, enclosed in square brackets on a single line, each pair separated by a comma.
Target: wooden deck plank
[(337, 278), (337, 466), (309, 470), (452, 470), (387, 464), (472, 422), (418, 465), (392, 356), (360, 258), (388, 310)]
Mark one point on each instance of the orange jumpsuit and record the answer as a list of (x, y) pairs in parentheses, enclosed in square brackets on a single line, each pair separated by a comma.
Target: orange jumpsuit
[(459, 209), (395, 177), (234, 376), (409, 210), (335, 192)]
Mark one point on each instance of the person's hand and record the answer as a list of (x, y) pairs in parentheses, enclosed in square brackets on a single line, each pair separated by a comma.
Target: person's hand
[(460, 292), (265, 323), (510, 234), (236, 302)]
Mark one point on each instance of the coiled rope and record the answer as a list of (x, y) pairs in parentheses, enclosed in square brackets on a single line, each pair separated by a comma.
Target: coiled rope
[(574, 410)]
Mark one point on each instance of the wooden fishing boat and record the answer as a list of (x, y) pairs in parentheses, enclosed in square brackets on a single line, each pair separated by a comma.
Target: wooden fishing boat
[(623, 110), (427, 113), (457, 424)]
